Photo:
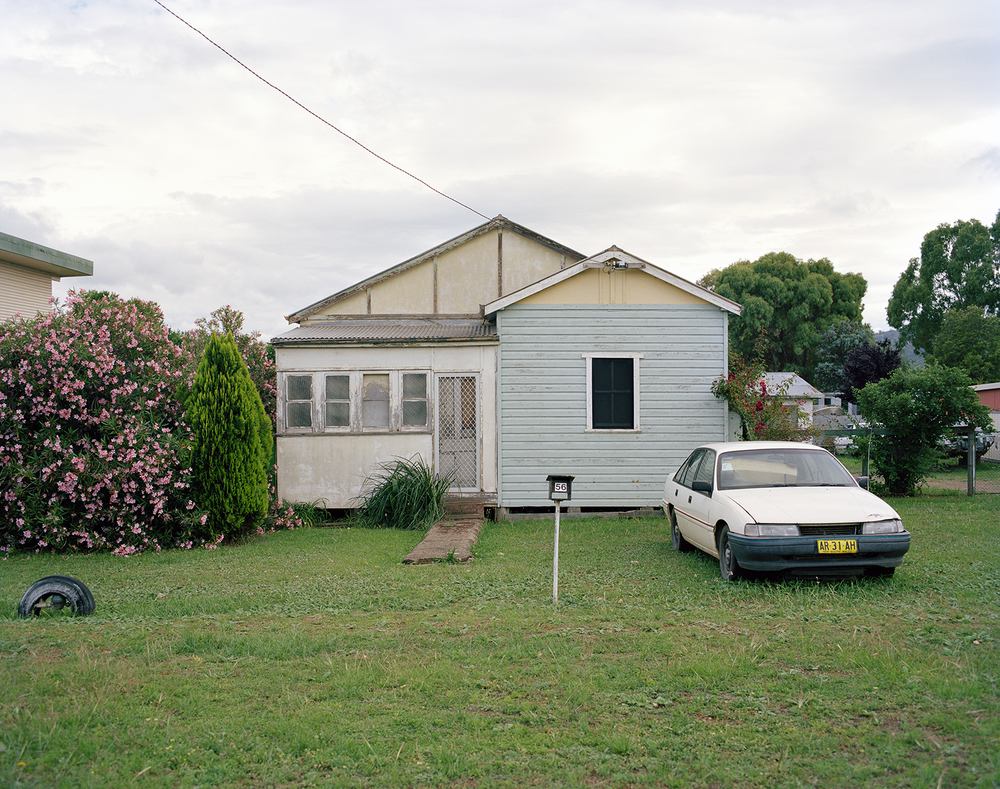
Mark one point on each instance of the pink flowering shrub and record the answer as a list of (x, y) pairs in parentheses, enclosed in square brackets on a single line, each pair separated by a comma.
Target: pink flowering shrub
[(93, 452)]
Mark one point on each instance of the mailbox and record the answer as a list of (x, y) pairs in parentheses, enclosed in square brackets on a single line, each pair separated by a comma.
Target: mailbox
[(560, 487)]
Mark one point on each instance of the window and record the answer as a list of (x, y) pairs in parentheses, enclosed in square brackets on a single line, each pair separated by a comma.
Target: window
[(338, 401), (299, 401), (375, 401), (356, 401), (613, 391), (414, 399)]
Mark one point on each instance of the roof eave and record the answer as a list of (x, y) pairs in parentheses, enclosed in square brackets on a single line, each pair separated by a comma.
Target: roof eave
[(28, 254)]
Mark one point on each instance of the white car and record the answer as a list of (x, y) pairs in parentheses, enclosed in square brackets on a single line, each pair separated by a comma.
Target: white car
[(776, 506)]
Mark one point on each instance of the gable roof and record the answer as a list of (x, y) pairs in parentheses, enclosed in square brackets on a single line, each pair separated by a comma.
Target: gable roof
[(498, 222), (797, 385), (614, 258)]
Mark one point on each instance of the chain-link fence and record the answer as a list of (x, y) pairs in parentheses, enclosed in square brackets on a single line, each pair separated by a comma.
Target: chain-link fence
[(953, 471)]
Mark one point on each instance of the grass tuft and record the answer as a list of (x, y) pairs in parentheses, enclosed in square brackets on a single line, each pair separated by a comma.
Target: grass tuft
[(403, 494)]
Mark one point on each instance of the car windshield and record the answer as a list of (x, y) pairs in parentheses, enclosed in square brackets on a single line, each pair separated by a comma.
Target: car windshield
[(781, 468)]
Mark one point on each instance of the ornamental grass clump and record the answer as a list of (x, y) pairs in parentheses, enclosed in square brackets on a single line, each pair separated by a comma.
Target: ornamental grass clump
[(403, 494), (232, 441)]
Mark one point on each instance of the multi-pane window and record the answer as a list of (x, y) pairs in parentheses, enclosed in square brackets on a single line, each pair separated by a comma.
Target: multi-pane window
[(414, 399), (613, 391), (356, 401), (338, 401), (298, 401)]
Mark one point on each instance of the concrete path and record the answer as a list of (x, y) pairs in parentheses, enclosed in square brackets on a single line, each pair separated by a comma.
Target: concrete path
[(449, 540)]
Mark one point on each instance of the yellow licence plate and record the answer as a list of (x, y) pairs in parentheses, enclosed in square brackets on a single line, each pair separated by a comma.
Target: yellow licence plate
[(837, 546)]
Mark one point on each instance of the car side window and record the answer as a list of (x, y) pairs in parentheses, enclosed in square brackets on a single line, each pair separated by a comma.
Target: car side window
[(706, 470), (687, 475)]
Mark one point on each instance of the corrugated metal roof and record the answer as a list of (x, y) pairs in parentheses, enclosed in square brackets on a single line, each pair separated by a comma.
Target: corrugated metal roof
[(400, 331)]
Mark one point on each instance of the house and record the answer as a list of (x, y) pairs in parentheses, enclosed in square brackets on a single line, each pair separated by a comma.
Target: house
[(989, 396), (796, 393), (501, 356), (27, 271)]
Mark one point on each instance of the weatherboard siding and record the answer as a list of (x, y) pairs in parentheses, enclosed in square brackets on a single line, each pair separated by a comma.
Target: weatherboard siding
[(542, 399), (23, 291)]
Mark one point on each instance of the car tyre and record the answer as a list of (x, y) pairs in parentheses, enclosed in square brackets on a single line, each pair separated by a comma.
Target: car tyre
[(676, 538), (729, 568), (56, 591)]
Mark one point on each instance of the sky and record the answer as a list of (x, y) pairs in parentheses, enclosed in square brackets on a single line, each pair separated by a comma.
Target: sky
[(690, 133)]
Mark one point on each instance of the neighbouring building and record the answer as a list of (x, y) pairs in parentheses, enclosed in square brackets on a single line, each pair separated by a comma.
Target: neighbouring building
[(27, 271)]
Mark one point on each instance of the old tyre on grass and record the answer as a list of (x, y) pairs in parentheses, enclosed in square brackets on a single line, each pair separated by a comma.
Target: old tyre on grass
[(55, 593), (729, 568)]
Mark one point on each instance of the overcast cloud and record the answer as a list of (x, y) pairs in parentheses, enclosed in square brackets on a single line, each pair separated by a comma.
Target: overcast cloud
[(691, 134)]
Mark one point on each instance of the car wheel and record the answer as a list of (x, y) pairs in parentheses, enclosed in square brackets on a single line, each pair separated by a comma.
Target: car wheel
[(54, 593), (676, 538), (729, 568)]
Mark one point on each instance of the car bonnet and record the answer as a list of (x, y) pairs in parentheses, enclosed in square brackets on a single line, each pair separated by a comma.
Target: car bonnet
[(811, 505)]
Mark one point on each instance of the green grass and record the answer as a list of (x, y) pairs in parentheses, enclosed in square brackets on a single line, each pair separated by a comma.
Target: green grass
[(315, 658)]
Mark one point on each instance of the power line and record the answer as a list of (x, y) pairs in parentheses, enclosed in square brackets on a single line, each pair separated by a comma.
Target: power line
[(315, 115)]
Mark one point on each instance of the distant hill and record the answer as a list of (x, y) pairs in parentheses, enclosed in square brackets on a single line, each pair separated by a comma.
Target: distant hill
[(907, 353)]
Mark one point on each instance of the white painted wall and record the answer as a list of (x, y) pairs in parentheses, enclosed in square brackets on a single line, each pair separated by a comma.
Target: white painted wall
[(331, 467)]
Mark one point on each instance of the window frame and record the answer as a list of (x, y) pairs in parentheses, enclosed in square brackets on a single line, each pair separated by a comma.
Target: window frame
[(589, 359), (356, 378)]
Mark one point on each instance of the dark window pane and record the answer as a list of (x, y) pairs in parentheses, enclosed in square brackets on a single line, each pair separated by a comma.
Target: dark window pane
[(612, 394), (414, 413), (338, 387), (300, 414), (414, 386), (338, 414), (300, 387)]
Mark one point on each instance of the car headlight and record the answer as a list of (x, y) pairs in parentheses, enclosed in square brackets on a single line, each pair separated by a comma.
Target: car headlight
[(893, 526), (771, 530)]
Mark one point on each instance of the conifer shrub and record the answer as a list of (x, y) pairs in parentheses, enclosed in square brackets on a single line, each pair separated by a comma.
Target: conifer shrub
[(231, 441)]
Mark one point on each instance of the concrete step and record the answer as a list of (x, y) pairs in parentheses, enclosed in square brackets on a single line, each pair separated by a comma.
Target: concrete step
[(464, 507)]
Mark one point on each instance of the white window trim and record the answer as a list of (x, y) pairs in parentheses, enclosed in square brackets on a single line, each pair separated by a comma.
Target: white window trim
[(589, 357), (355, 426)]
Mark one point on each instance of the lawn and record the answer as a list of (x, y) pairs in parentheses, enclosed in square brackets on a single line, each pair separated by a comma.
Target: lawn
[(315, 658)]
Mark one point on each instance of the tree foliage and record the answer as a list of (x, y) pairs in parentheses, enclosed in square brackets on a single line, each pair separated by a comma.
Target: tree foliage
[(958, 267), (232, 438), (764, 412), (258, 355), (915, 407), (789, 303), (831, 352), (867, 363), (970, 341)]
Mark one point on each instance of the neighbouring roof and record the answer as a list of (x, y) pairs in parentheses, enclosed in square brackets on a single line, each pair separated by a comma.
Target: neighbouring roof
[(616, 258), (407, 330), (798, 387), (493, 224), (35, 256)]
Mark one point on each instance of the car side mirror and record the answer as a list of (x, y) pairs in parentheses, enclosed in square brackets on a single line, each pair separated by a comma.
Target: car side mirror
[(701, 486), (862, 482)]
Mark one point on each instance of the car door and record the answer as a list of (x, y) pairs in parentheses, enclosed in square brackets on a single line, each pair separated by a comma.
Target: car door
[(691, 506)]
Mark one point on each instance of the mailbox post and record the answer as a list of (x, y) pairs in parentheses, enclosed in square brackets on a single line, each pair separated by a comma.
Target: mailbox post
[(560, 490)]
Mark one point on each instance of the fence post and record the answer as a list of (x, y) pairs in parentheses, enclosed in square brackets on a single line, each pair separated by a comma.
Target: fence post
[(972, 460)]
